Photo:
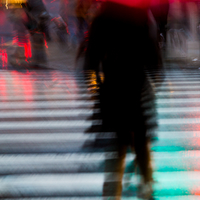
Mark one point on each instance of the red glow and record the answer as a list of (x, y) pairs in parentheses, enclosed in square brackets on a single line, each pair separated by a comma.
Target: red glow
[(28, 53), (4, 57), (24, 43), (45, 41), (142, 3), (196, 191), (135, 3), (3, 89), (156, 2)]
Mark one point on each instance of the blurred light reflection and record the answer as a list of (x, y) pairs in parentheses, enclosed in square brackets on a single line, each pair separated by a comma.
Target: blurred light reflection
[(3, 89), (4, 58)]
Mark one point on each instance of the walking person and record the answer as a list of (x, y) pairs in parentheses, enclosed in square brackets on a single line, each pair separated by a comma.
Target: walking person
[(82, 14), (68, 13), (122, 40), (32, 16), (36, 11)]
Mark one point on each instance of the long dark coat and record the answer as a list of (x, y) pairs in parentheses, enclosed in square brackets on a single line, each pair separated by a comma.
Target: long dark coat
[(120, 39)]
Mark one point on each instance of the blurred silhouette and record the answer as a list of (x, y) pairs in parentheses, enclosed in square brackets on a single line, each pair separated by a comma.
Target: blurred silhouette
[(68, 13), (38, 15), (17, 16), (82, 8), (95, 7), (32, 16), (123, 40)]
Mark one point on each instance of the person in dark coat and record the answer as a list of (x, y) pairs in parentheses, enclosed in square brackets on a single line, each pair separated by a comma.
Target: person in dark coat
[(122, 40), (38, 16)]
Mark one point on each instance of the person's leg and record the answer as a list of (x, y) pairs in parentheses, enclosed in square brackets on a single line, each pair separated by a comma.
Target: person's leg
[(114, 169), (143, 159), (20, 39), (142, 151)]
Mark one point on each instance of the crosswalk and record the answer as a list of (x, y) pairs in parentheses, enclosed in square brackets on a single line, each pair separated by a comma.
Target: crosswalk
[(49, 151)]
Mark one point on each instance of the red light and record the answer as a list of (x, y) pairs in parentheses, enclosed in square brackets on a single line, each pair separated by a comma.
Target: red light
[(25, 43), (45, 41), (133, 3), (4, 57), (28, 53)]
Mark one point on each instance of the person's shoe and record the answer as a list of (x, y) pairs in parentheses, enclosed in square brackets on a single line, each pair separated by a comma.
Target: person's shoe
[(145, 190)]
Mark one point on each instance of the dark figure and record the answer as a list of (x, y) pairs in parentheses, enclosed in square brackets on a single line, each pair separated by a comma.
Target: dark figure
[(37, 25), (33, 17), (68, 14), (82, 9), (38, 17), (121, 38)]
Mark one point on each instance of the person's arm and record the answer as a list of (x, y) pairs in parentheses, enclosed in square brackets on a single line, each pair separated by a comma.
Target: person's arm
[(95, 49)]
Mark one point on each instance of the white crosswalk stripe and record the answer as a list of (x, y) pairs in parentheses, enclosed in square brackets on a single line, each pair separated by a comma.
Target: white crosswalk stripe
[(46, 104), (48, 113)]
